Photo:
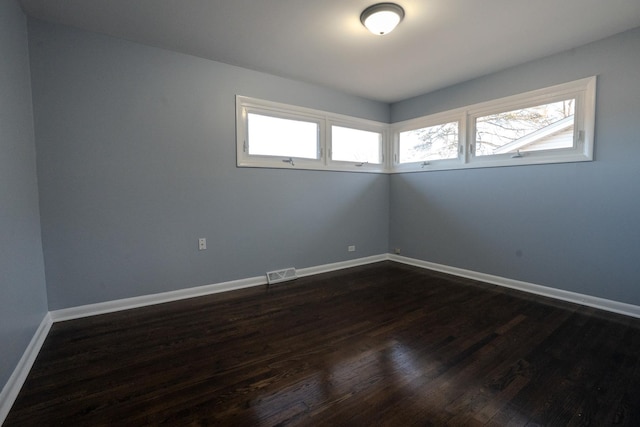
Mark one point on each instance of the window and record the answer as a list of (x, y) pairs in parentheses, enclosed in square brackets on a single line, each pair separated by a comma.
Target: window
[(551, 125), (356, 146), (543, 127), (428, 143), (439, 142), (277, 135)]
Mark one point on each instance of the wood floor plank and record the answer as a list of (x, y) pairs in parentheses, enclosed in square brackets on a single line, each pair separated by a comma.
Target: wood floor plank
[(378, 345)]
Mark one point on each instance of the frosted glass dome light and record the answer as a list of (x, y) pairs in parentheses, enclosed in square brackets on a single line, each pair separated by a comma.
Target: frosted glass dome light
[(382, 18)]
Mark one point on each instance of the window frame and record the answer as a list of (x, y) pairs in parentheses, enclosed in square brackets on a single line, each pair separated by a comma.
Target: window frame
[(273, 161), (375, 127), (584, 92), (246, 105), (456, 115)]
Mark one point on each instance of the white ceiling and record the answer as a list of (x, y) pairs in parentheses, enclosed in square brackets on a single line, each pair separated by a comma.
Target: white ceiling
[(439, 43)]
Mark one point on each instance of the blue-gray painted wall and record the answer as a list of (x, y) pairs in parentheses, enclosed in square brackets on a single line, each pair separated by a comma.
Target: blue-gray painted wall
[(137, 160), (23, 296), (569, 226)]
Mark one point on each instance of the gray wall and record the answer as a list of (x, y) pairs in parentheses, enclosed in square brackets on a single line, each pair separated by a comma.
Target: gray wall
[(569, 226), (23, 297), (136, 160)]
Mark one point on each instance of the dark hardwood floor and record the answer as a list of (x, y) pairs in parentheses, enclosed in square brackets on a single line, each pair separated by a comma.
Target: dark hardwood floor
[(384, 344)]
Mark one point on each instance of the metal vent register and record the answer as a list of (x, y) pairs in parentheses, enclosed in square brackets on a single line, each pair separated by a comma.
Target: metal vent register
[(281, 275)]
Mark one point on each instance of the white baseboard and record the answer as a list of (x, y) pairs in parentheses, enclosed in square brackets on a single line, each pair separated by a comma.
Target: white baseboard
[(574, 297), (310, 271), (146, 300), (18, 377)]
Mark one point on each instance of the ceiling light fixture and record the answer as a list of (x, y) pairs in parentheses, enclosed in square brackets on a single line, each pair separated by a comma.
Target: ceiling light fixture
[(382, 18)]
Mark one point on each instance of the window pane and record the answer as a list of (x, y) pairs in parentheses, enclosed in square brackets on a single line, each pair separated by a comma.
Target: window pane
[(355, 145), (429, 143), (544, 127), (273, 136)]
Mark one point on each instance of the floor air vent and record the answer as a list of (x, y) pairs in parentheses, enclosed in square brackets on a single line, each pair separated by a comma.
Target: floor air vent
[(281, 275)]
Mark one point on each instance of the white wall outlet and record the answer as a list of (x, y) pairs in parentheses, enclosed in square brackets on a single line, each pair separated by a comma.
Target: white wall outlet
[(202, 244), (351, 248), (396, 251)]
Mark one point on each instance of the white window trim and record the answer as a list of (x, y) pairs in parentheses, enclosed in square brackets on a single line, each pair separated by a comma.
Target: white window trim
[(457, 115), (583, 90), (380, 128), (325, 120)]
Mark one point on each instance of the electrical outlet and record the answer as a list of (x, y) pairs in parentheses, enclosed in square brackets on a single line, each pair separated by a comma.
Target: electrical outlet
[(202, 244), (396, 251), (351, 248)]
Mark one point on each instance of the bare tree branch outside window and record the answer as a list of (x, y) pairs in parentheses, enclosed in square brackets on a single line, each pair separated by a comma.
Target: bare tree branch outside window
[(497, 130), (429, 143)]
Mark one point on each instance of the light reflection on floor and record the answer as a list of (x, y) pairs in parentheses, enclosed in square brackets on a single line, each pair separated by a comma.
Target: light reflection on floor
[(340, 378), (398, 366)]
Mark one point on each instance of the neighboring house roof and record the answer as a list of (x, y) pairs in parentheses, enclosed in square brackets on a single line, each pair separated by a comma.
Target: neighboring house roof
[(547, 137)]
